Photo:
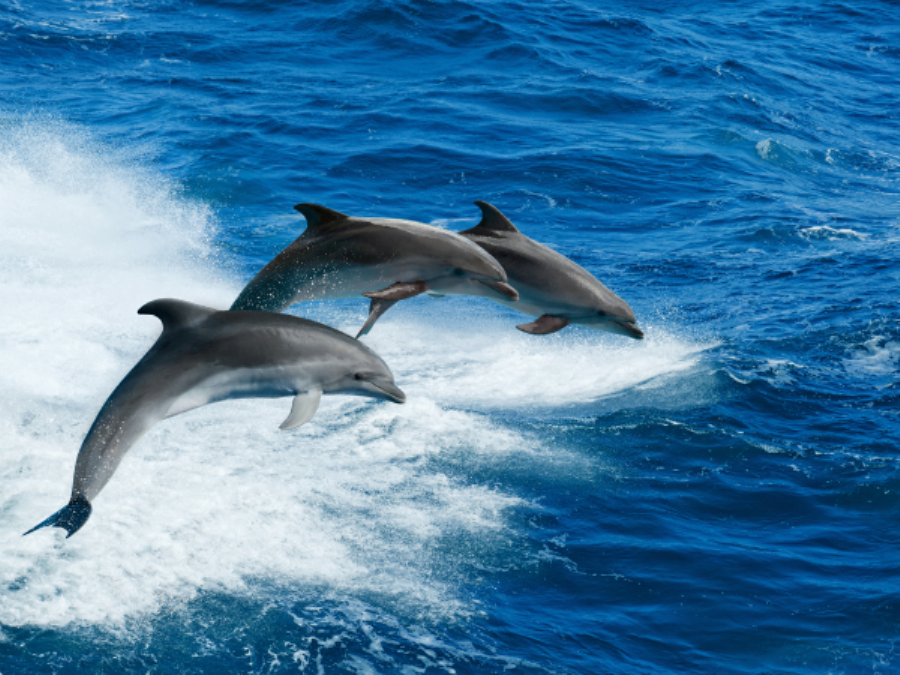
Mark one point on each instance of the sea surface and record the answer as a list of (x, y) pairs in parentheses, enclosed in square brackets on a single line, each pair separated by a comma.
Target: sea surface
[(721, 497)]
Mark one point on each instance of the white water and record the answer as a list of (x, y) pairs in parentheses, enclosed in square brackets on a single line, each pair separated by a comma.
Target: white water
[(219, 498)]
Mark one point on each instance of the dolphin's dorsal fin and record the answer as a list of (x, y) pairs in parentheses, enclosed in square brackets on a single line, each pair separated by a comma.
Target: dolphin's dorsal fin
[(319, 218), (492, 219), (176, 313)]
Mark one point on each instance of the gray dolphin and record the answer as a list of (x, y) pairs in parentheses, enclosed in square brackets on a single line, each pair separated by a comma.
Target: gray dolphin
[(387, 260), (205, 355), (551, 287)]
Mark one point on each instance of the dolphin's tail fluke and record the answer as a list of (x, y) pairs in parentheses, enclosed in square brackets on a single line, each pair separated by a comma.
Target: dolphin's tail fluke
[(70, 517)]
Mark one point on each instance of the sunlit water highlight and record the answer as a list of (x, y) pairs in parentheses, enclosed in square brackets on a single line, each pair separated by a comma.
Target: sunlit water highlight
[(219, 497), (720, 497)]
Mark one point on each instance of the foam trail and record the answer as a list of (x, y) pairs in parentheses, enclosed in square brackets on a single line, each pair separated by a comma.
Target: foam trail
[(212, 499), (499, 368), (359, 502)]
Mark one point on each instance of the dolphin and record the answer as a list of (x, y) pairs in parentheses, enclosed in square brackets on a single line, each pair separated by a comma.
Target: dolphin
[(551, 287), (203, 356), (385, 259)]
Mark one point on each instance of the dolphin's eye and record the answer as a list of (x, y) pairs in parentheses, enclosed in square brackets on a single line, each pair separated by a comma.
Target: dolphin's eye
[(358, 376)]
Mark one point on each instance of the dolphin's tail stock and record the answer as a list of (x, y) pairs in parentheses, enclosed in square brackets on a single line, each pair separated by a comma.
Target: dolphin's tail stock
[(70, 517)]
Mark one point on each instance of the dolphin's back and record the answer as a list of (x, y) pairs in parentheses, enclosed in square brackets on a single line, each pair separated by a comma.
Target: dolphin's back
[(546, 279), (203, 356), (248, 339), (539, 272), (341, 256)]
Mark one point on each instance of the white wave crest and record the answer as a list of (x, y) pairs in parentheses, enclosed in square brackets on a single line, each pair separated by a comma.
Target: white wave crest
[(359, 500), (825, 232)]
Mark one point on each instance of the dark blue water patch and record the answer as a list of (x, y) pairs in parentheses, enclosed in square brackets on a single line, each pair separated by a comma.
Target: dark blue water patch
[(734, 510), (261, 636), (730, 171)]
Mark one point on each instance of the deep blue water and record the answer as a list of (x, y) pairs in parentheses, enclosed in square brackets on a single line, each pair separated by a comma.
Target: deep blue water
[(721, 497)]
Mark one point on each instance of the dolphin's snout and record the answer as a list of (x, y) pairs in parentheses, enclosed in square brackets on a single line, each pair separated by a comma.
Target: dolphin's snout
[(629, 329), (501, 287), (394, 392), (381, 384)]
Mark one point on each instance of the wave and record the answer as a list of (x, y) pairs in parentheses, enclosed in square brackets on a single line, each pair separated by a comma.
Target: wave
[(365, 500)]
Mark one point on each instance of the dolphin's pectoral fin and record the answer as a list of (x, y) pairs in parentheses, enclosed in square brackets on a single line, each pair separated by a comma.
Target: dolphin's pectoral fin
[(384, 299), (399, 291), (305, 405), (544, 325), (70, 517), (376, 309)]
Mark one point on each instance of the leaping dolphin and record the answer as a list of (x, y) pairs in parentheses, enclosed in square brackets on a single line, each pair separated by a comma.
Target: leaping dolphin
[(387, 260), (204, 356), (551, 287)]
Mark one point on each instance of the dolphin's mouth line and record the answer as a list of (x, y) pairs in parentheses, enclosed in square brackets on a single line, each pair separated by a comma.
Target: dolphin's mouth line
[(632, 328), (500, 287), (393, 391)]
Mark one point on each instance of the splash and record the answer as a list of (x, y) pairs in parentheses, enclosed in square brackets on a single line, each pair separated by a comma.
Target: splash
[(363, 501), (209, 500), (827, 233), (497, 367)]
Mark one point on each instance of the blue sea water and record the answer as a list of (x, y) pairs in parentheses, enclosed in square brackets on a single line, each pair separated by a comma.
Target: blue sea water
[(721, 497)]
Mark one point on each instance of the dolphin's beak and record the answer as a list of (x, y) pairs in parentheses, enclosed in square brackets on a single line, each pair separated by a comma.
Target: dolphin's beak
[(630, 330), (501, 287), (391, 390)]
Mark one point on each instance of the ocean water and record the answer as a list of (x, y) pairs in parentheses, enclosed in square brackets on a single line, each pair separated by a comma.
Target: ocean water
[(721, 497)]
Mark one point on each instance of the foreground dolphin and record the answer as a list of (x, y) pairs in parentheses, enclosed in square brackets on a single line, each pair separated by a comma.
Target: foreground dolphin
[(384, 259), (551, 287), (204, 356)]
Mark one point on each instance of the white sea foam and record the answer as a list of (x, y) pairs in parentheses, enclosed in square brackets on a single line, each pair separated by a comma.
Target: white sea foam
[(498, 367), (767, 149), (876, 361), (831, 233), (219, 497)]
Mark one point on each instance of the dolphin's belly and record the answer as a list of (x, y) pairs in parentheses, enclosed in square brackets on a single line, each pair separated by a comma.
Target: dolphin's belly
[(242, 383), (342, 282), (278, 288), (535, 302), (350, 281)]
